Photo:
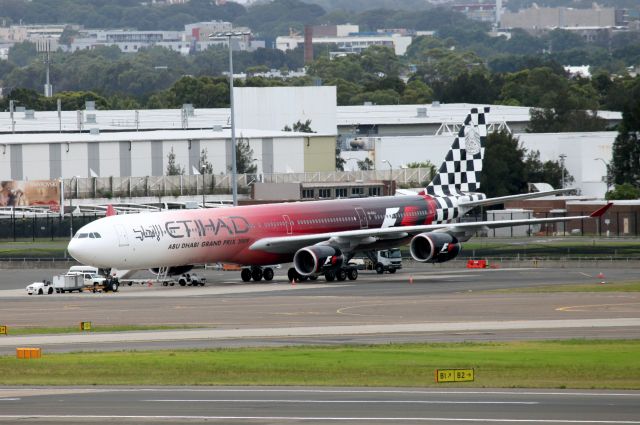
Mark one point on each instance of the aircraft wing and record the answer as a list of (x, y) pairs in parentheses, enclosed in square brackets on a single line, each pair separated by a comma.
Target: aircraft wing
[(285, 244), (503, 199)]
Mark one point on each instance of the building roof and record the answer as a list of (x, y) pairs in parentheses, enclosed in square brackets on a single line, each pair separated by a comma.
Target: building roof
[(158, 135), (207, 118), (451, 113)]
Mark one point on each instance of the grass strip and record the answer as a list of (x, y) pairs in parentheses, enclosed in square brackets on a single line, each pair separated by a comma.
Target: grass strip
[(578, 287), (100, 328), (540, 364)]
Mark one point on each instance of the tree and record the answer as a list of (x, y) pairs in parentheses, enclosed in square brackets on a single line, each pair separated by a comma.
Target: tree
[(623, 191), (625, 162), (549, 120), (67, 36), (503, 166), (340, 161), (22, 54), (551, 172), (244, 158), (172, 168), (366, 164), (300, 127), (206, 167), (424, 164)]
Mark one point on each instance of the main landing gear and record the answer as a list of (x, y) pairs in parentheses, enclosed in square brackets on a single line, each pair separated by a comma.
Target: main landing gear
[(256, 273), (340, 275)]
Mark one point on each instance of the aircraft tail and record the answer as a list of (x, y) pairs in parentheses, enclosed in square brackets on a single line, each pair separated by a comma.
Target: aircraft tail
[(460, 171)]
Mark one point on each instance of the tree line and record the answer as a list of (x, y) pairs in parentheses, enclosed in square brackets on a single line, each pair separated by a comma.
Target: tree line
[(159, 78)]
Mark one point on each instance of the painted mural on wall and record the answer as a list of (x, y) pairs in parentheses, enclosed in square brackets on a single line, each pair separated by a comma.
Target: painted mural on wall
[(14, 193)]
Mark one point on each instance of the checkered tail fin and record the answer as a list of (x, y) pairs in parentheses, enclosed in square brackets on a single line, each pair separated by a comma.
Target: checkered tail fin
[(460, 171)]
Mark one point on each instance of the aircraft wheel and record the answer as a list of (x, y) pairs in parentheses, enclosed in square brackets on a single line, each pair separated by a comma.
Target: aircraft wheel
[(352, 274), (392, 271), (256, 274), (245, 274), (330, 276), (40, 292), (267, 274), (50, 291), (303, 278), (293, 275), (313, 277), (379, 268), (341, 275)]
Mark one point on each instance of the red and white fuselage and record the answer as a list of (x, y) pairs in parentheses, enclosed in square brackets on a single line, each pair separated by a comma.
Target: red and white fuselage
[(186, 237)]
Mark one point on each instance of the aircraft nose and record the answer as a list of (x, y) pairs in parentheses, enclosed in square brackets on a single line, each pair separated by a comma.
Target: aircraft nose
[(74, 249)]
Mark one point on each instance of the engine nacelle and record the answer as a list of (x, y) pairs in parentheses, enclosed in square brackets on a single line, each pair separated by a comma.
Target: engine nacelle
[(317, 259), (434, 247), (173, 271)]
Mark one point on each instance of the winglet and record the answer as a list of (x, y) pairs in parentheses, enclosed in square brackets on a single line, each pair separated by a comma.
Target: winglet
[(600, 211)]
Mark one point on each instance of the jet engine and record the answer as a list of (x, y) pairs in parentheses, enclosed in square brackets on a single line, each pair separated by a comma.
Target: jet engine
[(173, 271), (317, 259), (434, 247)]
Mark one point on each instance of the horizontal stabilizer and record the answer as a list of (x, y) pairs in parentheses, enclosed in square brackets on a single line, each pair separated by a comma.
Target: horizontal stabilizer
[(600, 212), (503, 199)]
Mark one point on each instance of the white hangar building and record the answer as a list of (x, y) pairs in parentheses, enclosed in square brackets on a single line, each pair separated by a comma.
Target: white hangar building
[(48, 145), (145, 153), (584, 152), (43, 145)]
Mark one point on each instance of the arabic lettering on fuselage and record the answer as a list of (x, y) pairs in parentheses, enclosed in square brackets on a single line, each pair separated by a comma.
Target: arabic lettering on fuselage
[(178, 229), (150, 232)]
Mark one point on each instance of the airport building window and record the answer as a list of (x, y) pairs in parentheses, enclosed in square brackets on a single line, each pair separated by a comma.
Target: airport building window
[(307, 193), (341, 192), (324, 193), (357, 191), (374, 191)]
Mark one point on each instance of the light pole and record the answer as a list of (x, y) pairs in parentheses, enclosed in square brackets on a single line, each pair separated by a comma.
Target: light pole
[(71, 202), (562, 158), (234, 167), (203, 170), (608, 175), (390, 174), (390, 169)]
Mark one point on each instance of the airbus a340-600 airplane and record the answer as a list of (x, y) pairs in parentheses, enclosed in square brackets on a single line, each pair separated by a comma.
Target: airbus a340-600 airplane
[(318, 237)]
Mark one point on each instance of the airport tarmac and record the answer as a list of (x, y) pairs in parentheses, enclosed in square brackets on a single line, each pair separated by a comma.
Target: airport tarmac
[(417, 304), (312, 405)]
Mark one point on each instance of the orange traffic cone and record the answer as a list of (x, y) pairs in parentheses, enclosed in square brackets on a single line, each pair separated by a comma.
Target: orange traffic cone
[(602, 278)]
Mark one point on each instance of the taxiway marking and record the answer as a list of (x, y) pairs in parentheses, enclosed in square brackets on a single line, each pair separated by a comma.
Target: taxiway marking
[(312, 418), (588, 307), (341, 401)]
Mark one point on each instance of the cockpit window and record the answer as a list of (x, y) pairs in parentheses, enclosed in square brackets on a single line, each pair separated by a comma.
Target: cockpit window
[(97, 235), (82, 235), (91, 235)]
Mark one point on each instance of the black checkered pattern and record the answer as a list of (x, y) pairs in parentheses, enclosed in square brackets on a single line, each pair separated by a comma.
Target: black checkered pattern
[(460, 171), (447, 206)]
